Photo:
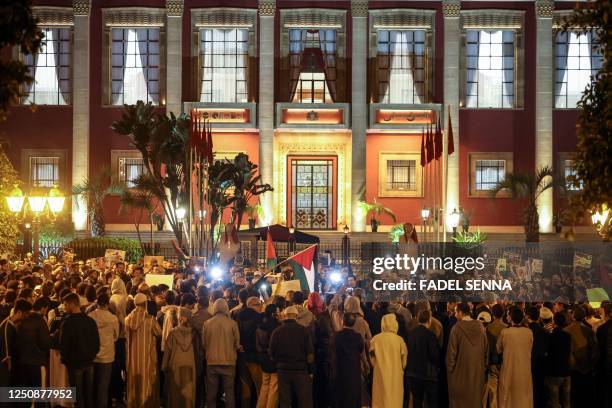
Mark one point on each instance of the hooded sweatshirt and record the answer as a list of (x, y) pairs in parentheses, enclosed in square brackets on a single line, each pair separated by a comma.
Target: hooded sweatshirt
[(108, 330), (118, 303), (220, 337)]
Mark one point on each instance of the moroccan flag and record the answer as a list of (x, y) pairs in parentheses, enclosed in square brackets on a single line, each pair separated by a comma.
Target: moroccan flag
[(423, 163), (438, 140), (302, 264), (430, 144), (270, 252), (451, 142)]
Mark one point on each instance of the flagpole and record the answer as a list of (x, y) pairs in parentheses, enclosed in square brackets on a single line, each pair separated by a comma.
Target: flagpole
[(445, 184)]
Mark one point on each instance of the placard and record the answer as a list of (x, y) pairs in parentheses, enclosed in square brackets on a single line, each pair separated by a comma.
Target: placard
[(148, 260), (286, 286), (159, 279), (112, 256)]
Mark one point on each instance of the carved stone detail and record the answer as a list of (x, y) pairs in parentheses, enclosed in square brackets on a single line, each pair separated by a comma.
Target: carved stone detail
[(451, 8), (174, 8), (54, 16), (545, 8), (359, 8), (81, 7), (267, 8)]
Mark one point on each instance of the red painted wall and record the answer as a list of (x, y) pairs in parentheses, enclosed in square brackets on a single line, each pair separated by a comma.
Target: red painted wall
[(501, 130), (406, 209)]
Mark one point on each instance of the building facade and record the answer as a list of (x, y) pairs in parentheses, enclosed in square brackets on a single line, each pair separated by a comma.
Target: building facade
[(329, 98)]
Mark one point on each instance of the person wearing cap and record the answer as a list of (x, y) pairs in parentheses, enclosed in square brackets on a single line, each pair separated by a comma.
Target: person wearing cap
[(221, 342), (180, 363), (515, 344), (79, 343), (141, 332), (292, 350)]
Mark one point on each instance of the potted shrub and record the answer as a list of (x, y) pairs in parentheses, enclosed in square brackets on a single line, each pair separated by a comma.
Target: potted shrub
[(254, 211), (376, 209)]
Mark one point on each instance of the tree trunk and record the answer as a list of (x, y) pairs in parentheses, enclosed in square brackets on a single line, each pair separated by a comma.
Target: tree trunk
[(531, 223), (97, 222)]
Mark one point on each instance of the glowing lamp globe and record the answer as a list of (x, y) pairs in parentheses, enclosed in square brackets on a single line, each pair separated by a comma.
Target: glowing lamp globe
[(56, 200), (15, 200), (453, 219)]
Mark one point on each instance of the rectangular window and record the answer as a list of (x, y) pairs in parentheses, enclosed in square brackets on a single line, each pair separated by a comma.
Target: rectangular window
[(312, 65), (135, 63), (50, 68), (400, 67), (490, 69), (224, 55), (401, 175), (575, 62), (130, 168), (570, 171), (489, 173), (44, 171)]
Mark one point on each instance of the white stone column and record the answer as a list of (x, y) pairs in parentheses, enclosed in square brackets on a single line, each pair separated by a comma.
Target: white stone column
[(452, 75), (265, 105), (80, 107), (174, 66), (544, 105), (359, 109)]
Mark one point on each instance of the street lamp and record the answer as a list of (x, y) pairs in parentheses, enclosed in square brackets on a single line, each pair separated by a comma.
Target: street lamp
[(291, 238), (601, 220), (345, 245), (453, 221), (39, 205), (425, 212)]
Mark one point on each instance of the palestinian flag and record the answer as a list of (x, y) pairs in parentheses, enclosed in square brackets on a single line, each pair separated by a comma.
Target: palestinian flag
[(270, 252), (302, 264)]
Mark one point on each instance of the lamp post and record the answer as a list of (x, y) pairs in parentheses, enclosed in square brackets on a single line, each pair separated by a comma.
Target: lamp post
[(39, 206), (425, 212), (291, 239), (180, 216), (346, 244), (453, 221)]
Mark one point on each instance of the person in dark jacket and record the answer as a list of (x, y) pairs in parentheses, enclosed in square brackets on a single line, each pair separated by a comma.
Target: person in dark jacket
[(33, 343), (538, 355), (346, 347), (557, 364), (248, 318), (423, 366), (268, 394), (292, 351), (8, 343), (323, 331), (604, 340), (79, 343)]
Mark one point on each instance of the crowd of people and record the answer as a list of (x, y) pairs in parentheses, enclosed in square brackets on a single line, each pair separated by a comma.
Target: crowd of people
[(228, 342)]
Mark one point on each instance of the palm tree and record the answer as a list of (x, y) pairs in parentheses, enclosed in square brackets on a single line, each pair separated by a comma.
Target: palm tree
[(93, 191), (528, 187)]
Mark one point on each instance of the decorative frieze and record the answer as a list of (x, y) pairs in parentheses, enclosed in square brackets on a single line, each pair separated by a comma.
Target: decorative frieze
[(402, 18), (493, 18), (315, 18), (267, 8), (134, 17), (359, 8), (81, 7), (451, 8), (54, 16), (228, 17), (174, 8)]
